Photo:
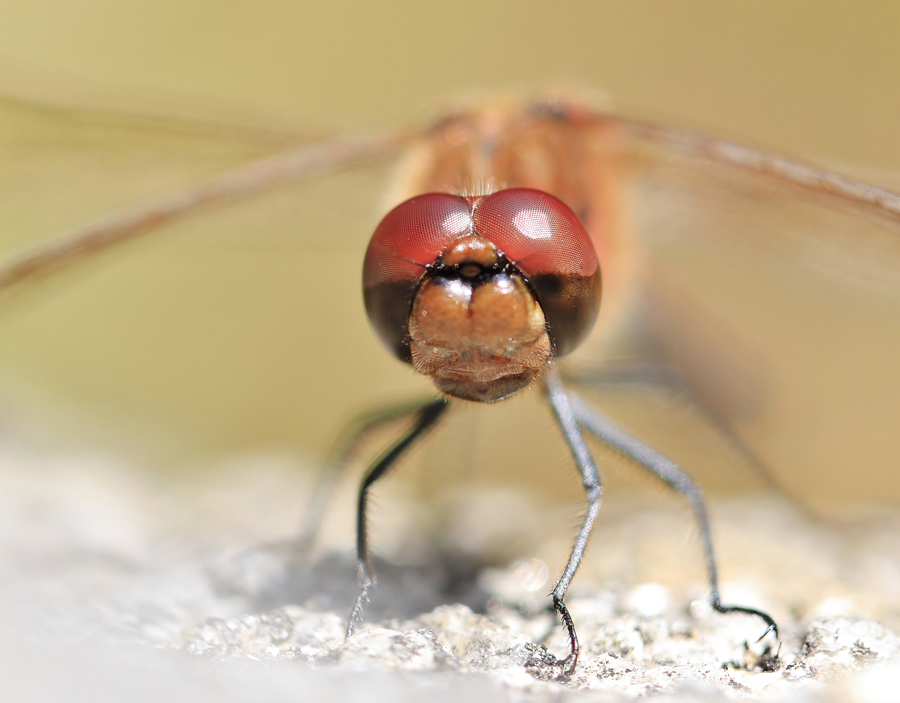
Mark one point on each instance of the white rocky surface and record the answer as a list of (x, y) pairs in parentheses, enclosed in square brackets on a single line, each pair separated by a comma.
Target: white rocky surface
[(120, 586)]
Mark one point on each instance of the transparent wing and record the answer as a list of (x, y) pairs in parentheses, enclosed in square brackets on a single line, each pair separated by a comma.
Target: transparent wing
[(229, 327), (773, 291)]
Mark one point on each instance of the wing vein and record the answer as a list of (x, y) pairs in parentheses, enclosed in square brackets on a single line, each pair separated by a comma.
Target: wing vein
[(127, 224)]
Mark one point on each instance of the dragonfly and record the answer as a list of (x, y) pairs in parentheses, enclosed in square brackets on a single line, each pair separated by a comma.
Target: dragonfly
[(764, 288)]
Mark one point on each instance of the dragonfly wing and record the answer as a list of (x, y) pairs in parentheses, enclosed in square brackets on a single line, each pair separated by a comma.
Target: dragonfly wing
[(773, 289), (241, 324), (241, 180)]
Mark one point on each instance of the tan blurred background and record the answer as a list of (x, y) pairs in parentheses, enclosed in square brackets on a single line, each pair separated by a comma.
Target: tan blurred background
[(817, 78), (234, 337)]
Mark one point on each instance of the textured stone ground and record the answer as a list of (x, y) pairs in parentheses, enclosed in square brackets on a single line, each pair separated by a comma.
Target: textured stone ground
[(118, 586)]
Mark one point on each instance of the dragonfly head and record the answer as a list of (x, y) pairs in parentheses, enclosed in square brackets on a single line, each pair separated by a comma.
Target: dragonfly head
[(480, 292)]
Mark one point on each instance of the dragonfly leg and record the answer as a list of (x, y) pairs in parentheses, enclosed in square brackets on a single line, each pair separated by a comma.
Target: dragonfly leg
[(348, 444), (590, 479), (428, 417), (659, 376), (668, 471)]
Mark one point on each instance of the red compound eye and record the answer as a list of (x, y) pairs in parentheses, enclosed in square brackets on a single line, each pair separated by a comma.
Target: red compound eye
[(409, 238), (549, 245)]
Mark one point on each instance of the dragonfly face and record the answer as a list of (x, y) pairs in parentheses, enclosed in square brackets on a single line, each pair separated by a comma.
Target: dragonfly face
[(771, 302)]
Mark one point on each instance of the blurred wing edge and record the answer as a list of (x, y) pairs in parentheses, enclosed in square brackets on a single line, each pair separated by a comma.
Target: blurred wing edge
[(252, 178), (817, 180)]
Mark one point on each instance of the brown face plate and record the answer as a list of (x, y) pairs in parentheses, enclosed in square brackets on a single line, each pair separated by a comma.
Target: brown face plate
[(475, 327)]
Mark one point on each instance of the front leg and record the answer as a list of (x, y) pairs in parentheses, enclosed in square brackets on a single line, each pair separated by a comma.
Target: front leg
[(428, 417), (676, 478), (590, 479)]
